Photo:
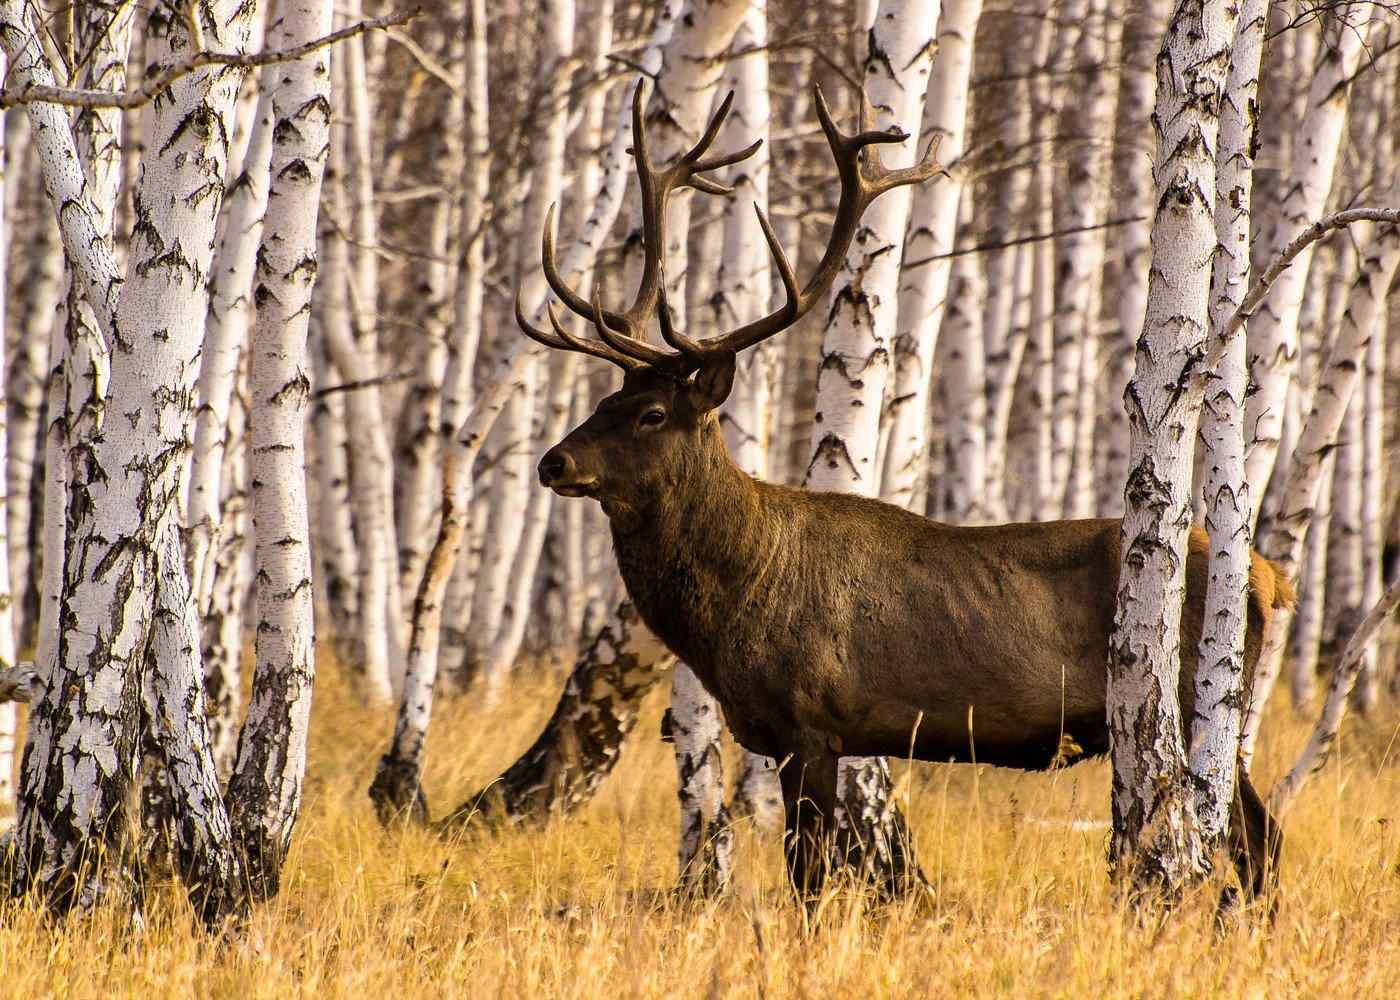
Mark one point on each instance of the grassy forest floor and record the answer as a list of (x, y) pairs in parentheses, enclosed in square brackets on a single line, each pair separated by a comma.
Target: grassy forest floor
[(1022, 905)]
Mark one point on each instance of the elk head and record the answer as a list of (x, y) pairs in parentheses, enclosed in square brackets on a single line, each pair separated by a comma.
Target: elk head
[(659, 430)]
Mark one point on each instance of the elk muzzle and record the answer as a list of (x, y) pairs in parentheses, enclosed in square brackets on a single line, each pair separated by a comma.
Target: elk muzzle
[(558, 471)]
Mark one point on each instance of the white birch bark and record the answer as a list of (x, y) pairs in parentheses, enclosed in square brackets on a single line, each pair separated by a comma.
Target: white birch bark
[(707, 835), (265, 790), (1082, 254), (1132, 196), (1155, 841), (924, 277), (1373, 492), (1305, 644), (28, 381), (1344, 558), (743, 291), (1284, 538), (1048, 493), (514, 545), (367, 447), (692, 68), (1273, 334), (82, 740), (396, 787), (225, 341), (418, 465), (851, 383), (965, 391), (1219, 683)]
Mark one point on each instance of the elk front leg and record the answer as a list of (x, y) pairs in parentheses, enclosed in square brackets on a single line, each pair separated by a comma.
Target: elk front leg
[(809, 802)]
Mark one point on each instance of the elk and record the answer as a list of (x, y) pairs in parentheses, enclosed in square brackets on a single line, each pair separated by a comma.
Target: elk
[(829, 624)]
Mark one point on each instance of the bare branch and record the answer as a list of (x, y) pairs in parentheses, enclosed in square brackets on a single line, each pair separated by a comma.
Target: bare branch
[(32, 93), (1309, 236)]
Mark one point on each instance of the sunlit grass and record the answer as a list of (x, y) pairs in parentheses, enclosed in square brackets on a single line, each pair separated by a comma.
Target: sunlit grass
[(1022, 905)]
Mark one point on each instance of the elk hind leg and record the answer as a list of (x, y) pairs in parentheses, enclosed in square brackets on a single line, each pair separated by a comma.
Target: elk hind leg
[(1255, 840)]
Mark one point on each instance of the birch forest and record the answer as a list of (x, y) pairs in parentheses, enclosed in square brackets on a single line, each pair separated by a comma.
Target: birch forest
[(362, 630)]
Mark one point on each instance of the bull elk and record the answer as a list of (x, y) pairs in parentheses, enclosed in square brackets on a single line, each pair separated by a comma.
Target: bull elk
[(826, 623)]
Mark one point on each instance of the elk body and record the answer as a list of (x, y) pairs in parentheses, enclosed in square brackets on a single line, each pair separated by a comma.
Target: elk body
[(829, 624)]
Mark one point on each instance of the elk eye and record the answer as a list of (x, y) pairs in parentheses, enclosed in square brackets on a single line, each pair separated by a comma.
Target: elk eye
[(654, 417)]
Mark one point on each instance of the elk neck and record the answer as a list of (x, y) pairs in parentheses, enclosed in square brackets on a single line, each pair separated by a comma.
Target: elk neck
[(691, 552)]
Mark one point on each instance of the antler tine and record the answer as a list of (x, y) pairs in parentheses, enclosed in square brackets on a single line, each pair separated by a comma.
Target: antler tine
[(780, 260), (692, 156), (563, 340), (575, 302), (863, 179), (632, 347), (678, 341)]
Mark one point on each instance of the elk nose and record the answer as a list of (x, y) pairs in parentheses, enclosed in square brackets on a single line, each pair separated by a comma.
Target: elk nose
[(555, 464)]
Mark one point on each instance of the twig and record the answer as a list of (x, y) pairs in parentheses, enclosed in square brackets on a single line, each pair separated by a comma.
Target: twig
[(1305, 239), (364, 383), (1022, 240), (127, 100)]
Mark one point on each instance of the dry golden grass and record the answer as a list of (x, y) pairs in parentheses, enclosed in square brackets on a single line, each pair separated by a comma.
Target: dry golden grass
[(1022, 906)]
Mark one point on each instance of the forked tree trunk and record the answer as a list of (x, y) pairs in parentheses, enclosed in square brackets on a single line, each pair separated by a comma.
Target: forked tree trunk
[(265, 790), (1156, 845), (83, 735)]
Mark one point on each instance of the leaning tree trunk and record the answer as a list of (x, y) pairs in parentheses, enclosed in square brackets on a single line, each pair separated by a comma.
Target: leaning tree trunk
[(1219, 683), (265, 791), (855, 366), (1286, 535), (582, 741), (1155, 844), (396, 788)]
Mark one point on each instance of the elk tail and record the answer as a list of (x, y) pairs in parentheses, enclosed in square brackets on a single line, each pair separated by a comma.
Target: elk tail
[(1269, 588)]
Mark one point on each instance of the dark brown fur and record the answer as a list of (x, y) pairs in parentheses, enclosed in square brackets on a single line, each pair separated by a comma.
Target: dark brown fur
[(828, 624)]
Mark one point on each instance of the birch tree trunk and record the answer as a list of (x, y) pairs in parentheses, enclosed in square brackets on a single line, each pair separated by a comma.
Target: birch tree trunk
[(851, 384), (1219, 683), (924, 277), (743, 290), (1155, 843), (1079, 296), (1133, 195), (396, 788), (81, 757), (513, 567), (1373, 487), (265, 790), (1284, 538), (1273, 334)]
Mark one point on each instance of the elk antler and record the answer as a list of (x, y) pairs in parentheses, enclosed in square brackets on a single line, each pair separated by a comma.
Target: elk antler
[(623, 334)]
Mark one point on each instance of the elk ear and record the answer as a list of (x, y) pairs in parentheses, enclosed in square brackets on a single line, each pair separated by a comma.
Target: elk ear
[(713, 381)]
